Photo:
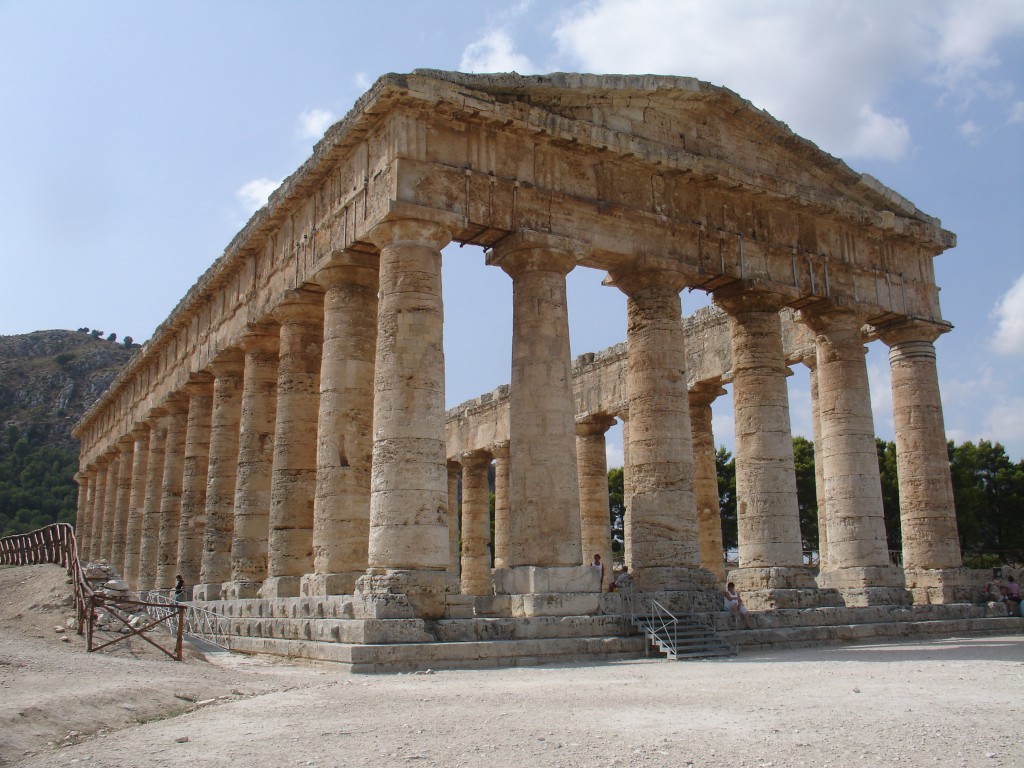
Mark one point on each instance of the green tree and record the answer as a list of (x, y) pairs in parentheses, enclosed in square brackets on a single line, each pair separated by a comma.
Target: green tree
[(886, 451), (806, 491), (725, 466)]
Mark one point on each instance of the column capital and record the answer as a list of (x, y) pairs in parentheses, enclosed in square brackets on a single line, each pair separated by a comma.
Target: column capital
[(651, 273), (738, 298), (524, 251), (263, 336), (343, 268), (499, 450), (593, 424), (474, 459), (418, 231), (81, 477), (825, 318), (299, 305), (125, 444), (228, 363), (176, 403), (705, 392), (140, 431), (154, 414), (200, 383), (911, 329)]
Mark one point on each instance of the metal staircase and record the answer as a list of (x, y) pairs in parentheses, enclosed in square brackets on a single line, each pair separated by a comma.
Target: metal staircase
[(689, 635)]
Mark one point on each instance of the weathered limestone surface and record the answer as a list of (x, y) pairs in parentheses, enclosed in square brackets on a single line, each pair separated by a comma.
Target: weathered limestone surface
[(476, 527), (222, 472), (195, 472), (543, 487), (255, 462), (664, 183), (150, 541), (592, 469), (293, 478), (341, 508), (136, 504)]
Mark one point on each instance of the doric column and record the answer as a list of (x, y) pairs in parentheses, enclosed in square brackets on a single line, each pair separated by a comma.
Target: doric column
[(83, 515), (250, 533), (409, 549), (858, 555), (293, 478), (341, 508), (592, 473), (768, 514), (110, 507), (501, 504), (126, 448), (476, 524), (664, 546), (705, 478), (811, 361), (931, 545), (195, 471), (150, 542), (99, 505), (544, 490), (136, 504), (222, 472), (454, 532), (177, 406)]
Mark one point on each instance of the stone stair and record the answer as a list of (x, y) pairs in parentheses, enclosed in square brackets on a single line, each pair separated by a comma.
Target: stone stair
[(685, 638)]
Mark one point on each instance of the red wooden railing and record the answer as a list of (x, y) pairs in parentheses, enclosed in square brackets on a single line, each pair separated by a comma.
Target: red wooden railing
[(53, 544)]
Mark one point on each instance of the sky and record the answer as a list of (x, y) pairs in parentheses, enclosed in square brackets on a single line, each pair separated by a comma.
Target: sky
[(137, 138)]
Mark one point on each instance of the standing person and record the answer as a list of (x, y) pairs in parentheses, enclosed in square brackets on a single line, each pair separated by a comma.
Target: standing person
[(1012, 593), (734, 604), (598, 568), (179, 589)]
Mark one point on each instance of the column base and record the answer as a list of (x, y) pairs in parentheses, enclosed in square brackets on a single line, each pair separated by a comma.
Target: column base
[(281, 586), (538, 579), (207, 592), (863, 586), (939, 586), (383, 593), (322, 584), (766, 589), (241, 590), (674, 579)]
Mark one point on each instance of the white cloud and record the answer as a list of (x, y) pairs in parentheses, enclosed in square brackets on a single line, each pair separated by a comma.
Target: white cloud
[(1017, 113), (362, 81), (614, 454), (1009, 312), (880, 382), (1005, 421), (313, 123), (971, 131), (253, 194), (824, 68), (494, 53)]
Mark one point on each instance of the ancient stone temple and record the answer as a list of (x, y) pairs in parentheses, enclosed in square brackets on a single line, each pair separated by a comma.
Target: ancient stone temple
[(282, 440)]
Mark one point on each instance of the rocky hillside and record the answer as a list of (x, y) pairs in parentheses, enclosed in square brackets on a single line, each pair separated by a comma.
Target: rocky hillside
[(48, 379)]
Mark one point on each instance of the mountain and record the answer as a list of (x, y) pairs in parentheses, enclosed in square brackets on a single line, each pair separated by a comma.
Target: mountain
[(48, 379)]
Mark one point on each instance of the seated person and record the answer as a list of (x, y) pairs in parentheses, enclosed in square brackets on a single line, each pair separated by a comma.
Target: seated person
[(1011, 591), (622, 581), (992, 594), (735, 605)]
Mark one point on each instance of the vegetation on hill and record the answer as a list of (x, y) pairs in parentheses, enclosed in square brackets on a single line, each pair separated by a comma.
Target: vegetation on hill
[(48, 379)]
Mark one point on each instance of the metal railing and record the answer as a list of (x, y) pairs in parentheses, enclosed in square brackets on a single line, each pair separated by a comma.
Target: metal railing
[(197, 622), (661, 625)]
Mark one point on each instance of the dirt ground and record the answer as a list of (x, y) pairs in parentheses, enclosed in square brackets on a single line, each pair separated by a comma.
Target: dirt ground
[(953, 702)]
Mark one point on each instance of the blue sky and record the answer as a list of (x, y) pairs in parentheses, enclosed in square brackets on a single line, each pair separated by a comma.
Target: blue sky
[(137, 138)]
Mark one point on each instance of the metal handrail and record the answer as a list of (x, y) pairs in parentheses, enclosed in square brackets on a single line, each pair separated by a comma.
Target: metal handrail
[(198, 622), (649, 615)]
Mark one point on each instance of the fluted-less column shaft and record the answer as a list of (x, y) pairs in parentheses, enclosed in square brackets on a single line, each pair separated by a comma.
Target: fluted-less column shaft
[(858, 554), (501, 505), (136, 504), (110, 508), (927, 515), (150, 543), (454, 532), (222, 472), (177, 408), (811, 362), (544, 489), (293, 478), (195, 468), (767, 510), (255, 462), (705, 479), (118, 536), (83, 521), (663, 511), (95, 551), (592, 472), (409, 496), (341, 508), (476, 525)]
